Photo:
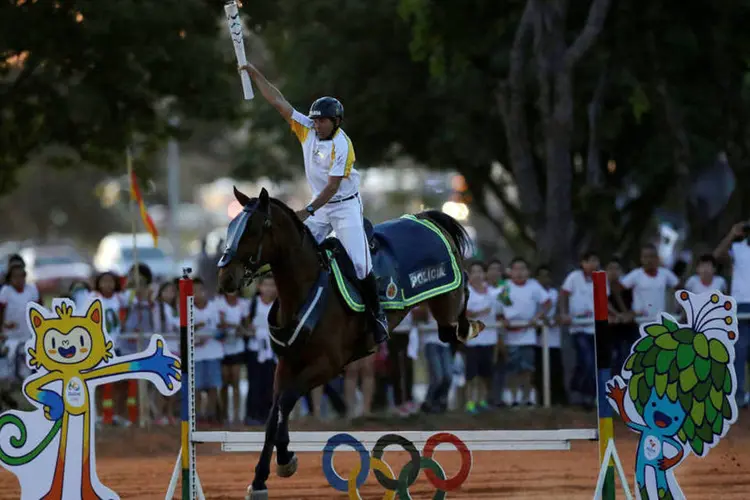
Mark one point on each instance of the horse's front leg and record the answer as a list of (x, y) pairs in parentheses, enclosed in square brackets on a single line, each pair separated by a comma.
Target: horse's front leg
[(286, 460), (258, 490), (290, 388)]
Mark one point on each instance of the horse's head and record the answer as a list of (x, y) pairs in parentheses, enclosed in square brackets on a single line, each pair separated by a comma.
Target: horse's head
[(249, 244)]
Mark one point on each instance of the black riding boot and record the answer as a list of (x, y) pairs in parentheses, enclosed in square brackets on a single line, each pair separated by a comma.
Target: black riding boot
[(379, 319)]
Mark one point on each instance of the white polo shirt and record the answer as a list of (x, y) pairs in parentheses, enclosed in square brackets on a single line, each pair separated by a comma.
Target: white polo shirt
[(580, 291), (334, 157), (523, 302), (649, 292), (740, 253)]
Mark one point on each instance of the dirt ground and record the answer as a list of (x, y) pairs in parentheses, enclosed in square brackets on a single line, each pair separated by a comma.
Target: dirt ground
[(138, 463)]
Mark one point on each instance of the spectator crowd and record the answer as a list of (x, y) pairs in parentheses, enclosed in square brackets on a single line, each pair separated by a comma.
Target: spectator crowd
[(501, 367)]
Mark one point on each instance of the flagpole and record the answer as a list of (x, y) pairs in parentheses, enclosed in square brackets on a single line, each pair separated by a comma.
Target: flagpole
[(142, 403)]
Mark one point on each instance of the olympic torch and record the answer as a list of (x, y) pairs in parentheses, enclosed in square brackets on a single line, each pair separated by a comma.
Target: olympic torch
[(235, 31)]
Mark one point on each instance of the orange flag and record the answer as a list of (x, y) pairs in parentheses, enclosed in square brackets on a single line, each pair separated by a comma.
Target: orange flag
[(135, 194)]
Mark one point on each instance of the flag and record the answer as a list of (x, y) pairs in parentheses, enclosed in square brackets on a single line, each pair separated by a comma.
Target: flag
[(135, 194)]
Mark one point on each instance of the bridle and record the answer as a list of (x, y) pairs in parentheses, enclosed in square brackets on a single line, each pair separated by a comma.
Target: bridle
[(236, 230)]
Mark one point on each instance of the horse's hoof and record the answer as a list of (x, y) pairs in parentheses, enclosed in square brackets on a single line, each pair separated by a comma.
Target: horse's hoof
[(287, 470), (256, 495)]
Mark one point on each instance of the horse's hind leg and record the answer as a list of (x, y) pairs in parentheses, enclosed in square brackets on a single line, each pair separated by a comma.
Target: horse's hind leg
[(449, 311), (446, 309)]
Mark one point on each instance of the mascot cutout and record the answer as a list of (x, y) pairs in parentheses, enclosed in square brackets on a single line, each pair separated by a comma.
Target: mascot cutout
[(677, 389), (51, 450)]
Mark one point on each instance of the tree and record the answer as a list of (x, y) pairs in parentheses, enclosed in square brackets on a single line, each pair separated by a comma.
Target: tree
[(82, 79)]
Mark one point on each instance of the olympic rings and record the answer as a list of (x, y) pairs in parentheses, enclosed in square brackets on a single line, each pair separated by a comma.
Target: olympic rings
[(409, 473)]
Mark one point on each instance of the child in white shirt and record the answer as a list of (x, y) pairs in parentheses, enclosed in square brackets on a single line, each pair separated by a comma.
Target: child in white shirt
[(261, 360), (14, 332), (481, 350), (233, 313), (208, 351), (649, 284), (705, 279), (523, 303), (577, 303)]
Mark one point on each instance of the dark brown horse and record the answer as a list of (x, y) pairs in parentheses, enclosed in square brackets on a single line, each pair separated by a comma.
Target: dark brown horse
[(268, 232)]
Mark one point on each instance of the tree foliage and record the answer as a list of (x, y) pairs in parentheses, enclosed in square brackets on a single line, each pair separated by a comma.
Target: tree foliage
[(600, 112), (84, 78)]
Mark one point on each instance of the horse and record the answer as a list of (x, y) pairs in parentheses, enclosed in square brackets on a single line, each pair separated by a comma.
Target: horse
[(316, 329)]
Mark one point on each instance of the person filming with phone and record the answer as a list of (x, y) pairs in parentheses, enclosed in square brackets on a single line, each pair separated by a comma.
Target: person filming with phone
[(737, 246)]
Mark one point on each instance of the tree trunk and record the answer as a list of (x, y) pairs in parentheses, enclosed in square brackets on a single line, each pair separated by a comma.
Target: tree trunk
[(551, 217), (511, 100)]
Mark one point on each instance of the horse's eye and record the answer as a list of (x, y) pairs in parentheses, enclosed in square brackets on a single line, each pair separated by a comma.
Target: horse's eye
[(53, 342), (82, 341), (653, 404), (676, 419)]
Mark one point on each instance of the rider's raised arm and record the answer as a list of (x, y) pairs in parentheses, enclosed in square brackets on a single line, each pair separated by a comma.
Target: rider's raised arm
[(270, 93)]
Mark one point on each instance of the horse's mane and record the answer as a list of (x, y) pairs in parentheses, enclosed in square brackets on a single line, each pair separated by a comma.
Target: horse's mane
[(301, 226)]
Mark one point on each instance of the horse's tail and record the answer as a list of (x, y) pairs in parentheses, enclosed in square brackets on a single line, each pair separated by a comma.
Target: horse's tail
[(456, 231), (19, 442)]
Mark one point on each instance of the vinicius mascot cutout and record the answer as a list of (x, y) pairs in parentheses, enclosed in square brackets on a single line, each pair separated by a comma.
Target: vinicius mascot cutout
[(51, 450), (677, 389)]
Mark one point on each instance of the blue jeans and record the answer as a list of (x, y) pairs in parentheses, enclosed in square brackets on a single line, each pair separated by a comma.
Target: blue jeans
[(741, 348), (440, 367), (584, 378)]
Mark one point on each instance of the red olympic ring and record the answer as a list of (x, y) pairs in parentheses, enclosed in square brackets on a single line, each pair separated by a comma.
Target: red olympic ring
[(466, 461)]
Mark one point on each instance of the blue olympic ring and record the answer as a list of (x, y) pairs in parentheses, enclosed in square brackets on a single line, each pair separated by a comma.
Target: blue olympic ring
[(332, 476), (391, 483)]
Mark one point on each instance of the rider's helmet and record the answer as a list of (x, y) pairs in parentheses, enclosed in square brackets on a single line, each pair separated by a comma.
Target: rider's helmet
[(326, 107)]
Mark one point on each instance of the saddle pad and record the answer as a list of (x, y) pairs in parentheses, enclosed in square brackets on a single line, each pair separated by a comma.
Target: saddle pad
[(413, 263)]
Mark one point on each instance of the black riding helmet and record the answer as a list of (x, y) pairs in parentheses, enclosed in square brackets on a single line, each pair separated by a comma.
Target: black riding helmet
[(326, 107)]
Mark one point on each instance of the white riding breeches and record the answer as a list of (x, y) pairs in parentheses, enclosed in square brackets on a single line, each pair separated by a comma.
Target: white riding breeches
[(346, 219)]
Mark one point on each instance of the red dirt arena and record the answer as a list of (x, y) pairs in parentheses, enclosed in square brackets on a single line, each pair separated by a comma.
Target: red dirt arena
[(138, 464)]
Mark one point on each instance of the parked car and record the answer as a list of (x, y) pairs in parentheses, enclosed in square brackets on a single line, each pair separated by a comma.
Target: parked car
[(52, 268), (116, 253)]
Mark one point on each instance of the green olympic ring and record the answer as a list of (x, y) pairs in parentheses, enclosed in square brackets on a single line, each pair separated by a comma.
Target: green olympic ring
[(409, 473)]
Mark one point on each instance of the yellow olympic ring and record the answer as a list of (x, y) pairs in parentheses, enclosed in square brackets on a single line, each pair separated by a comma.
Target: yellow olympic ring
[(375, 464)]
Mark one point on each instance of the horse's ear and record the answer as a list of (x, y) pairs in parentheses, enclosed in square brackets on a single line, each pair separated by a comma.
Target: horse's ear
[(263, 200), (241, 197)]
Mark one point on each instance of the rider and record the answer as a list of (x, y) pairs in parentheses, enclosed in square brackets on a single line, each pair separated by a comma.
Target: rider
[(329, 167)]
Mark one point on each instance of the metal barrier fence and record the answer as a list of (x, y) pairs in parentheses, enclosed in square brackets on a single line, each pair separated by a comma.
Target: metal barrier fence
[(542, 326)]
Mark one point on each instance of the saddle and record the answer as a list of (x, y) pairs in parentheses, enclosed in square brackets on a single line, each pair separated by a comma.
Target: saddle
[(412, 262)]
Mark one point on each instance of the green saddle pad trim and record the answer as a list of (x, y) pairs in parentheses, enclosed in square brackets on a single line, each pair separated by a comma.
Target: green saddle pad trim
[(352, 299)]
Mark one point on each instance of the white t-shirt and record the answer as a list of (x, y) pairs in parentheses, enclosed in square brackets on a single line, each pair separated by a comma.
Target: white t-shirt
[(479, 301), (211, 348), (14, 304), (695, 285), (111, 307), (553, 332), (325, 158), (580, 291), (649, 292), (261, 343), (233, 315), (740, 253), (525, 301)]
